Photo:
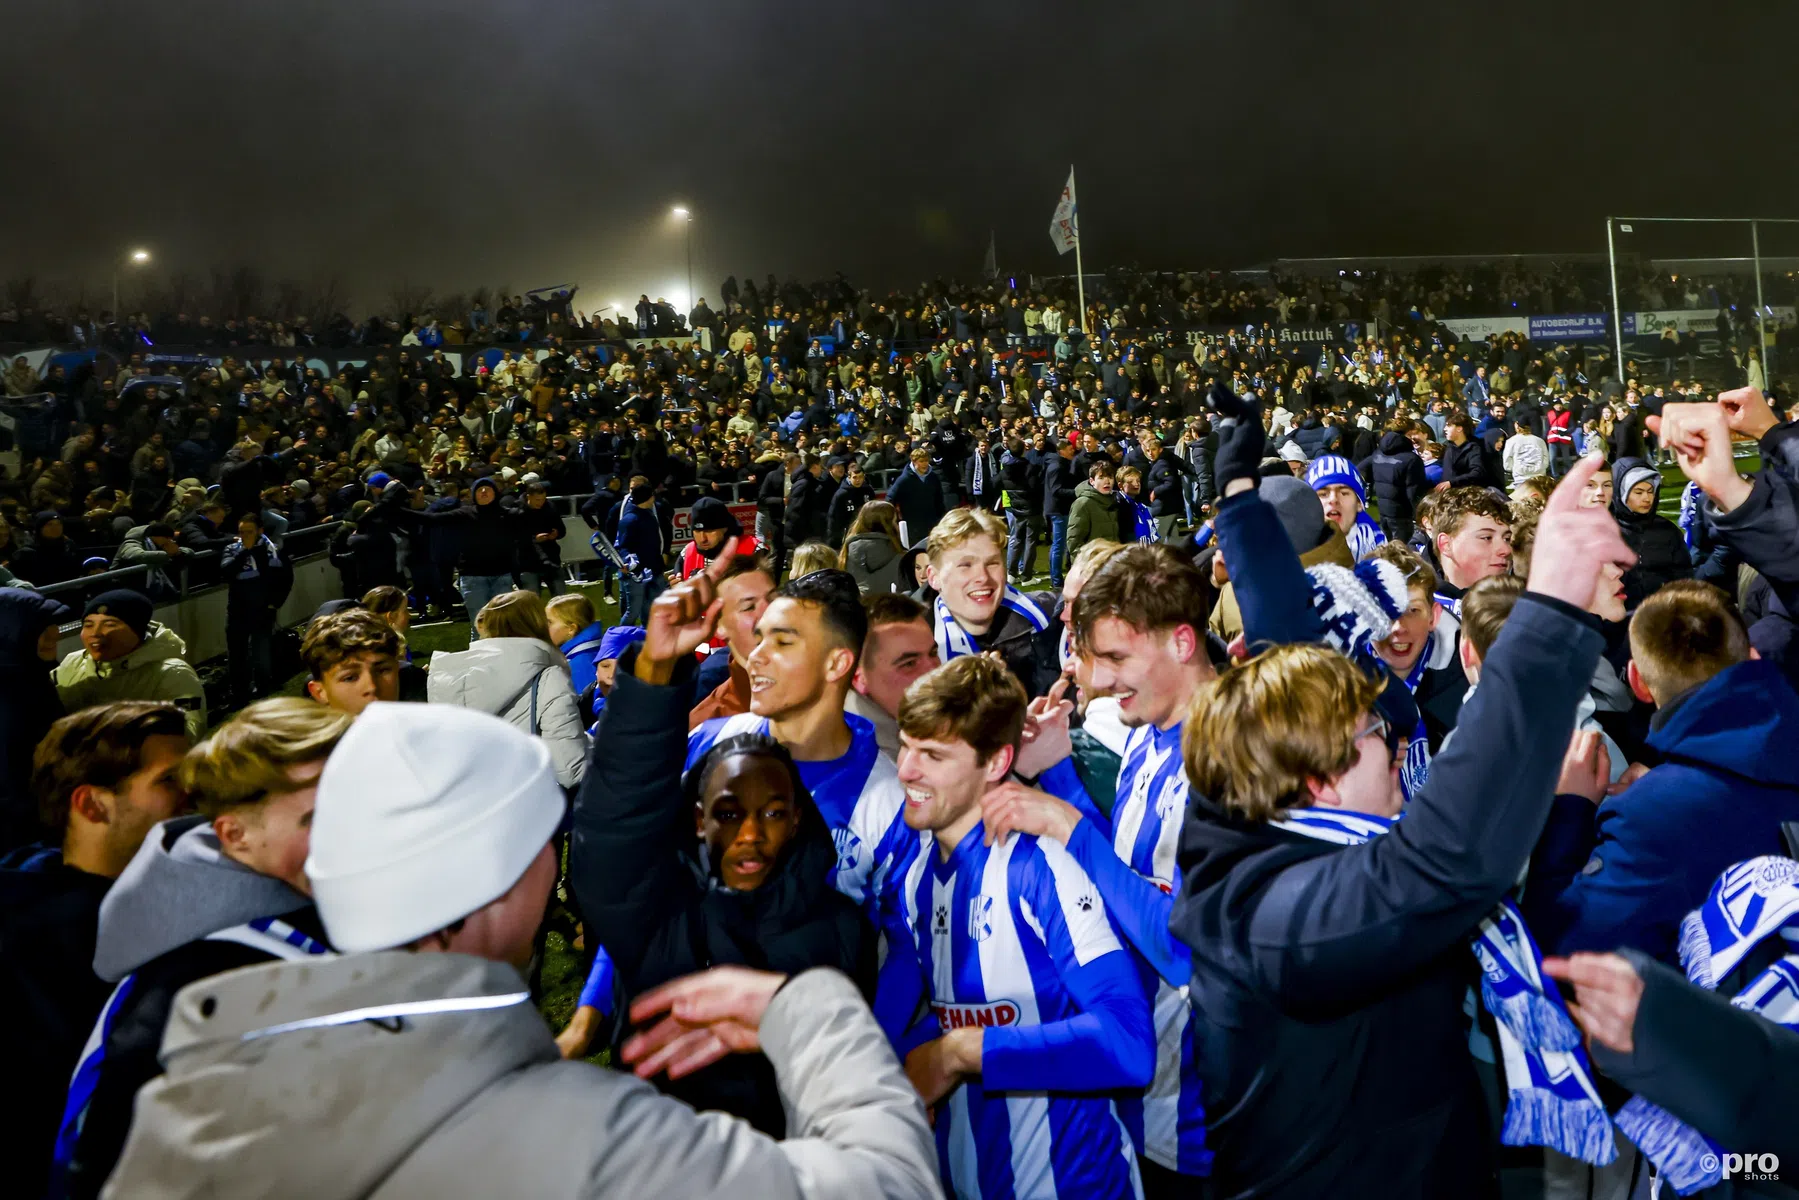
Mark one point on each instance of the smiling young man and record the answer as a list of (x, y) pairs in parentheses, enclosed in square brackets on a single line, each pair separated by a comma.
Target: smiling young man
[(1471, 532), (205, 894), (746, 583), (975, 611), (1423, 651), (808, 641), (1040, 1015), (128, 655), (1141, 642)]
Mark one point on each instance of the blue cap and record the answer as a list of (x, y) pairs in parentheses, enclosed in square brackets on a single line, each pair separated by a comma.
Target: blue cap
[(380, 479), (614, 641)]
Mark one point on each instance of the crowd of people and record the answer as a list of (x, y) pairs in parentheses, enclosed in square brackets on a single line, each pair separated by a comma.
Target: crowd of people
[(1375, 791)]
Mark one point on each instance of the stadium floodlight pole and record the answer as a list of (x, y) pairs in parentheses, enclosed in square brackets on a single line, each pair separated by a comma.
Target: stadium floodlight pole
[(686, 217), (1611, 254), (136, 258)]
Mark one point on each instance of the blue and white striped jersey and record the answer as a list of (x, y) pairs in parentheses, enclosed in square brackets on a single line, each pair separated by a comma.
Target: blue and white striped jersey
[(858, 795), (1015, 939), (1136, 872)]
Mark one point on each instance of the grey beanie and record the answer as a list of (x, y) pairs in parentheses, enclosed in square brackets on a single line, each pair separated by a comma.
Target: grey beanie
[(1300, 510)]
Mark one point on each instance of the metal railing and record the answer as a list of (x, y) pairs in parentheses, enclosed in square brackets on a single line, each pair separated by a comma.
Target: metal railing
[(187, 574)]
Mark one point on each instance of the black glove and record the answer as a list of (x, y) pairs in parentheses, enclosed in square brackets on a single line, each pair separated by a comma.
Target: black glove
[(1240, 455)]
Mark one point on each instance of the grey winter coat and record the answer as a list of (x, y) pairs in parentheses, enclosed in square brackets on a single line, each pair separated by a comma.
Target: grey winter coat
[(874, 561), (495, 676), (445, 1103)]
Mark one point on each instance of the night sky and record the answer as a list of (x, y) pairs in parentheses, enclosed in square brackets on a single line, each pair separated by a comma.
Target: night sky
[(525, 142)]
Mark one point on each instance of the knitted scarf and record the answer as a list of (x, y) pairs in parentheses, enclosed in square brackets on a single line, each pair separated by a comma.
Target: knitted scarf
[(1749, 903), (1552, 1101), (953, 641)]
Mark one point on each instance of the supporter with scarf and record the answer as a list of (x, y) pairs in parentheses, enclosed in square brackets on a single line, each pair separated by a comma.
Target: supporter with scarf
[(1345, 499), (1329, 1001), (975, 611)]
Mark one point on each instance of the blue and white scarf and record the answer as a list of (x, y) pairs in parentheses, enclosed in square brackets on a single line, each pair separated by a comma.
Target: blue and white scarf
[(953, 641), (1552, 1101), (277, 939), (1750, 903), (1364, 537)]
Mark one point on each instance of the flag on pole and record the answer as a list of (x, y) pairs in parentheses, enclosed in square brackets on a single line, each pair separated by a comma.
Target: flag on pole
[(990, 264), (1065, 226)]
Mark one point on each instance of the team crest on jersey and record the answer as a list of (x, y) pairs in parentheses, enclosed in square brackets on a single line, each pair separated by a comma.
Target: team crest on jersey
[(849, 849), (980, 918), (1086, 902), (1173, 798), (940, 920)]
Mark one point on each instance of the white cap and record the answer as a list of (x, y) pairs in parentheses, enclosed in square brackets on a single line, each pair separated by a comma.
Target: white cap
[(426, 813), (1292, 453)]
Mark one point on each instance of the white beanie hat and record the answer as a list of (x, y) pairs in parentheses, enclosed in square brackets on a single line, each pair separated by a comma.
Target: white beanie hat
[(426, 813)]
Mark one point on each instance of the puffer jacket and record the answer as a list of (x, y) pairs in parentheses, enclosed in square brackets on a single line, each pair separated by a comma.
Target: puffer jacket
[(471, 1099), (1660, 547), (153, 671), (874, 561), (496, 675), (1398, 476)]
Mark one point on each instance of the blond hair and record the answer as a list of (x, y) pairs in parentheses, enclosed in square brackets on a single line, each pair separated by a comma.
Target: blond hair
[(248, 757), (1088, 559), (811, 556), (572, 608), (1257, 735), (961, 525), (518, 614)]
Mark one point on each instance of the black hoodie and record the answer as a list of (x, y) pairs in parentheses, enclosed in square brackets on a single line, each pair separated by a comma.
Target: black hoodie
[(489, 543), (660, 914), (1661, 549)]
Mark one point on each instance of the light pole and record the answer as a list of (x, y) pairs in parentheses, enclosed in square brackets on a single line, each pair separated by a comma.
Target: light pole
[(136, 258), (686, 219)]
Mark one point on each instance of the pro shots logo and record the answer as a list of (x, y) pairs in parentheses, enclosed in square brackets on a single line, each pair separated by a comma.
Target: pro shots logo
[(1755, 1168)]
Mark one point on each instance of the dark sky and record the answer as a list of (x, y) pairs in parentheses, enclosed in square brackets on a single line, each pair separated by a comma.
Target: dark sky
[(529, 142)]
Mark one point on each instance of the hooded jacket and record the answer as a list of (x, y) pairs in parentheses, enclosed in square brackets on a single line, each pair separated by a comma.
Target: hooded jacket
[(1328, 980), (489, 544), (1095, 515), (660, 910), (1661, 549), (153, 671), (1627, 873), (178, 889), (496, 675), (28, 706), (49, 997), (1398, 476), (873, 560), (474, 1101)]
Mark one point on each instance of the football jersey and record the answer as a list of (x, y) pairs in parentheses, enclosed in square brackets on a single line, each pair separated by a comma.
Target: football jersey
[(1134, 866), (858, 795), (1005, 936)]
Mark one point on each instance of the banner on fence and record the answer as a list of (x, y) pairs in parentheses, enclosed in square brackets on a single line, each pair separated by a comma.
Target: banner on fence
[(1690, 320), (1479, 329), (1571, 327)]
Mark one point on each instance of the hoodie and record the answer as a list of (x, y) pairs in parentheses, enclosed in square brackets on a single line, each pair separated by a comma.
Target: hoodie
[(475, 1093), (153, 671), (154, 923), (1660, 546), (1627, 873), (1095, 515), (523, 681), (28, 706)]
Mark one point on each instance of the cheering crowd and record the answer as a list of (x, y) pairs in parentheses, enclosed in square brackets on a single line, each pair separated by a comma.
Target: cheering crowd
[(1381, 798)]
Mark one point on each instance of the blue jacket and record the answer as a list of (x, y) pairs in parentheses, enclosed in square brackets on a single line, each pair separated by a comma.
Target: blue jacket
[(582, 652), (1628, 874)]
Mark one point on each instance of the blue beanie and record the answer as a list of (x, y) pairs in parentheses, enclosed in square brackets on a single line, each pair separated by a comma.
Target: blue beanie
[(614, 641), (379, 480), (1327, 469)]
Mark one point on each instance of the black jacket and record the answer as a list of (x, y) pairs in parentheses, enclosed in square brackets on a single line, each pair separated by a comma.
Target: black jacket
[(1162, 484), (257, 580), (1034, 656), (1060, 478), (1730, 1074), (28, 706), (1662, 555), (845, 504), (49, 998), (808, 503), (489, 542), (660, 914), (1398, 476), (1023, 483), (1328, 980), (1467, 465)]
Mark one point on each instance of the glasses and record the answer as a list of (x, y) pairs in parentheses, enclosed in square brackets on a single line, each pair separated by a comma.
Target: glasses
[(1377, 726)]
